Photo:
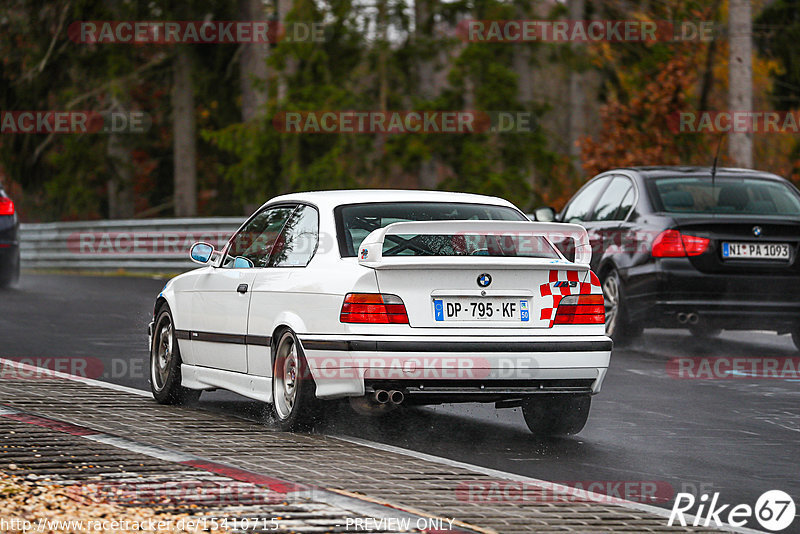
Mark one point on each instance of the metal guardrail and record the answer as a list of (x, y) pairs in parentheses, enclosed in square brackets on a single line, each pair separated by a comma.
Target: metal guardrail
[(149, 245)]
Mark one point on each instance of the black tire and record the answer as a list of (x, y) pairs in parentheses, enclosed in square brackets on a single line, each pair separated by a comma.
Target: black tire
[(165, 363), (556, 415), (10, 275), (796, 338), (619, 327), (294, 401)]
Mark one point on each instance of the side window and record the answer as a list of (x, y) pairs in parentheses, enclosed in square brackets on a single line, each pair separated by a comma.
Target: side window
[(608, 207), (580, 207), (298, 241), (626, 204), (252, 245)]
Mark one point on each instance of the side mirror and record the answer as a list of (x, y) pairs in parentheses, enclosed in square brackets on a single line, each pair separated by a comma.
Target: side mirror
[(547, 214), (201, 253), (240, 262)]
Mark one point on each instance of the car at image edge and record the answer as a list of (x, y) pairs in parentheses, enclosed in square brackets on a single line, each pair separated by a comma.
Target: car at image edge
[(386, 298), (675, 248), (9, 241)]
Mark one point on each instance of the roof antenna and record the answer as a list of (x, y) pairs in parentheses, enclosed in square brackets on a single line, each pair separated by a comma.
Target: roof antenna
[(716, 158)]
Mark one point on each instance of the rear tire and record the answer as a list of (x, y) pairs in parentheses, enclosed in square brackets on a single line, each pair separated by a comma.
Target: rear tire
[(618, 325), (556, 415), (294, 400), (165, 363)]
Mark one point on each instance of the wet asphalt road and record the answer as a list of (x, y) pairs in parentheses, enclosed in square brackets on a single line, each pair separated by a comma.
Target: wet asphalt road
[(737, 437)]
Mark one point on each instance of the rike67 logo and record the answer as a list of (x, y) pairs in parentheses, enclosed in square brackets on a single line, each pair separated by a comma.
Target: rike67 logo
[(774, 511)]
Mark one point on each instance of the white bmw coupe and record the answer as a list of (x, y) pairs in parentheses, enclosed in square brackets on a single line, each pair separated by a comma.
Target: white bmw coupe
[(387, 298)]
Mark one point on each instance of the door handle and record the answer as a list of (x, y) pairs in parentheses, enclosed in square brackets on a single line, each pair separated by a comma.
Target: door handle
[(242, 288)]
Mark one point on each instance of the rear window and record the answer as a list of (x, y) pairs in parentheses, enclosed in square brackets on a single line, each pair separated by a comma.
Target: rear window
[(744, 196), (527, 246), (354, 222)]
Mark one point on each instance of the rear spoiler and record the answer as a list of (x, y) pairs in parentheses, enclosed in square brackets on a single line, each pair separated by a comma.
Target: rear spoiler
[(370, 253)]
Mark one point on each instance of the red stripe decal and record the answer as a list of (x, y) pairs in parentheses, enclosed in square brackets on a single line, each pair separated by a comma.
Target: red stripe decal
[(274, 484), (52, 424)]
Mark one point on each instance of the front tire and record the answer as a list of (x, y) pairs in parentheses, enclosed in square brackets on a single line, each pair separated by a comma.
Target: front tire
[(165, 363), (556, 415), (294, 398)]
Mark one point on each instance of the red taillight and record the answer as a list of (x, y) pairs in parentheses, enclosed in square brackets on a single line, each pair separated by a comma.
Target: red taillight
[(673, 244), (373, 308), (694, 245), (581, 309), (6, 206)]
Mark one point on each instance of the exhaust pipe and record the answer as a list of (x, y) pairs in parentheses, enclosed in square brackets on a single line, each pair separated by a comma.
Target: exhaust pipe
[(692, 318), (396, 397), (683, 317), (381, 396)]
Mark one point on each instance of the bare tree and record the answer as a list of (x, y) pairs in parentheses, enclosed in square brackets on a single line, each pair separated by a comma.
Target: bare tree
[(253, 72), (184, 133), (120, 181), (425, 75), (284, 7), (577, 126), (740, 23)]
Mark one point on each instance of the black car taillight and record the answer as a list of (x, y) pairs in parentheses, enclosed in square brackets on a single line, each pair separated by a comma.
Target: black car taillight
[(673, 244), (6, 206)]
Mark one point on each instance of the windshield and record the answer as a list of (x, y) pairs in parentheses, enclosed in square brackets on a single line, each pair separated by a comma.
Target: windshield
[(354, 222), (741, 196)]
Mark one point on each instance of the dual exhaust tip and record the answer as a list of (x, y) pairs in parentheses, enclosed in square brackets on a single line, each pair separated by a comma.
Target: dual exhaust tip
[(382, 396), (688, 318)]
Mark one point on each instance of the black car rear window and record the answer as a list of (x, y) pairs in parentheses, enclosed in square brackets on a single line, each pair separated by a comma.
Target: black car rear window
[(726, 195), (354, 222)]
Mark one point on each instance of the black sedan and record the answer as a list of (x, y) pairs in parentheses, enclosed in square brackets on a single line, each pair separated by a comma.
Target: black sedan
[(9, 241), (675, 247)]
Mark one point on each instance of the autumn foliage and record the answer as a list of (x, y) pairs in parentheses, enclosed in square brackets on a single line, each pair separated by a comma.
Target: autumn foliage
[(637, 132)]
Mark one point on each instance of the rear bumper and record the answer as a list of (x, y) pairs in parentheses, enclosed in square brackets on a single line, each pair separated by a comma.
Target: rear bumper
[(445, 369), (657, 293)]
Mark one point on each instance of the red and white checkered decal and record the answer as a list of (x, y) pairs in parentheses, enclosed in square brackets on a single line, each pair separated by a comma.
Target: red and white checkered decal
[(553, 293)]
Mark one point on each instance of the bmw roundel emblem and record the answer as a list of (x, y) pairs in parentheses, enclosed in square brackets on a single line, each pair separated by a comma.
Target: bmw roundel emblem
[(484, 279), (757, 231)]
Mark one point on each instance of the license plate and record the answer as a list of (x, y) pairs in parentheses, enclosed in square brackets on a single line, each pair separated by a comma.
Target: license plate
[(482, 309), (756, 251)]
